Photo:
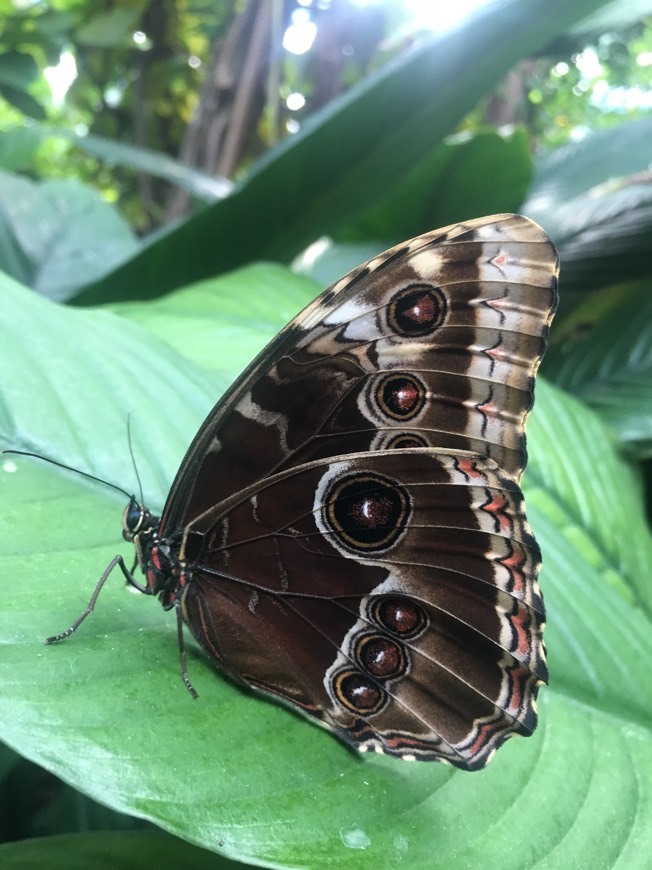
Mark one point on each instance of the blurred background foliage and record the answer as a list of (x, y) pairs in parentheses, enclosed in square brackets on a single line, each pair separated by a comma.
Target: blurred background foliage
[(147, 146), (217, 84)]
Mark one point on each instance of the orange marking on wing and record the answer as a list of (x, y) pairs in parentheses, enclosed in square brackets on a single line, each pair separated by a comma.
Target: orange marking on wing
[(514, 564), (515, 703), (501, 259), (497, 353), (521, 622), (489, 409), (498, 507), (469, 468)]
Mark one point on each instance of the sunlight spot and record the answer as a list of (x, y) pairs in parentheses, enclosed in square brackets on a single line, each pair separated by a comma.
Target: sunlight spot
[(295, 102), (440, 17), (61, 76), (306, 260), (113, 95), (300, 35), (588, 64)]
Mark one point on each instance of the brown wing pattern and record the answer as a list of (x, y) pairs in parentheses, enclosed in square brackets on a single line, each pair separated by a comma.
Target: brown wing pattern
[(353, 536), (393, 596)]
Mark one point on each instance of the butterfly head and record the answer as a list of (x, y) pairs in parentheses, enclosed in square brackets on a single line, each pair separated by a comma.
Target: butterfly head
[(140, 527), (136, 521)]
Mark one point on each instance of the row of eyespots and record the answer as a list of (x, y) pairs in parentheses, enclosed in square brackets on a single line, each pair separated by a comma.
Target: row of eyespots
[(379, 656), (415, 311)]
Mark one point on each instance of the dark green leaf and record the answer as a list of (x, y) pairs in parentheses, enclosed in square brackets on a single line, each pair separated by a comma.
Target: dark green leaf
[(603, 354), (463, 177), (143, 850), (110, 29), (616, 15), (8, 759), (201, 185), (23, 101), (17, 148), (18, 69), (595, 201)]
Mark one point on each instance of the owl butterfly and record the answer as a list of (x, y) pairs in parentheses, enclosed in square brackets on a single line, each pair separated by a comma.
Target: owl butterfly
[(346, 532)]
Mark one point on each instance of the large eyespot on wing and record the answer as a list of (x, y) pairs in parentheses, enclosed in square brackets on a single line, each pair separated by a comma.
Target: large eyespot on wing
[(392, 596)]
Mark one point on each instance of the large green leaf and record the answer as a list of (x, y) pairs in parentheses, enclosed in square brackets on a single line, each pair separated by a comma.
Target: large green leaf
[(104, 850), (346, 156), (465, 175), (23, 101), (54, 235), (603, 353), (107, 711), (616, 15), (594, 199), (17, 147), (222, 323), (111, 29), (205, 187), (18, 69)]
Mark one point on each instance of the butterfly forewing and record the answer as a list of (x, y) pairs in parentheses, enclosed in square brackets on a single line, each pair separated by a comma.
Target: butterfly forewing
[(434, 343)]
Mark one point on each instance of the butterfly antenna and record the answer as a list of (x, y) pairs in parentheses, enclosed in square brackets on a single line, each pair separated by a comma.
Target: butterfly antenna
[(68, 468), (133, 460)]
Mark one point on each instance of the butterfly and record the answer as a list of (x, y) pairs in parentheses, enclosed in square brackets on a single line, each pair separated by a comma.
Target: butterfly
[(346, 533)]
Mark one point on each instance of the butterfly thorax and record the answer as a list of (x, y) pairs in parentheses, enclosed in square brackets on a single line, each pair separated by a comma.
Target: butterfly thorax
[(156, 558)]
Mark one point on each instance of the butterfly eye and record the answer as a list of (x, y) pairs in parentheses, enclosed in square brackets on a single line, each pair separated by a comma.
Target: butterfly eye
[(132, 519)]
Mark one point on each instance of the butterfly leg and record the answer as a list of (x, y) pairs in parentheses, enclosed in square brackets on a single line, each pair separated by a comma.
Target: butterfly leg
[(182, 652), (129, 577)]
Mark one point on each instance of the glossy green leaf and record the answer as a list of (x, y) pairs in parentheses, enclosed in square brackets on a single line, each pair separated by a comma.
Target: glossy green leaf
[(616, 15), (603, 354), (144, 850), (594, 199), (18, 69), (55, 235), (112, 28), (8, 760), (201, 185), (17, 147), (107, 711), (23, 101), (221, 324), (465, 175)]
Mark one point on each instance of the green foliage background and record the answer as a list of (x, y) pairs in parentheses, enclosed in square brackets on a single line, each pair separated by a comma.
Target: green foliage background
[(158, 327)]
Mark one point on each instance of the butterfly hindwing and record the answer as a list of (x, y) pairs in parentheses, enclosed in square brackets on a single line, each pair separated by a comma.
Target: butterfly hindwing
[(398, 596)]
